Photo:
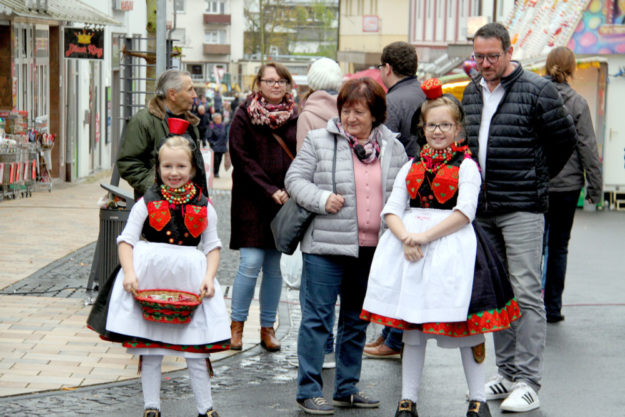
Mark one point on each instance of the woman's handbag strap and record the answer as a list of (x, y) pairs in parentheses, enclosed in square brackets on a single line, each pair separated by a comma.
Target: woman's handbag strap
[(283, 145)]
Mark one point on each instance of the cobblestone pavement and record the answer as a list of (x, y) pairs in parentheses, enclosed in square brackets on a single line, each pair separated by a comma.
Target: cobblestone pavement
[(253, 367), (68, 276)]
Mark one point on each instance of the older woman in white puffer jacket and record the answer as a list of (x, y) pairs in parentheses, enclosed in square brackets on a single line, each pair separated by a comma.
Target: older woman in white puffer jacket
[(339, 244)]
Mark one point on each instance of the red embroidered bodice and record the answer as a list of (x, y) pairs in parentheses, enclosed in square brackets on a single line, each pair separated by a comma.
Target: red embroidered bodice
[(177, 224), (430, 188)]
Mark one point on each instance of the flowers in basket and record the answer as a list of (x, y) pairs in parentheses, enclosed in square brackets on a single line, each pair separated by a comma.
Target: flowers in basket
[(168, 306)]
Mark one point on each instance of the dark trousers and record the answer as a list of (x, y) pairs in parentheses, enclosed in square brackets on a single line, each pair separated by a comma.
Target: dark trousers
[(393, 338), (559, 222), (216, 162), (324, 278)]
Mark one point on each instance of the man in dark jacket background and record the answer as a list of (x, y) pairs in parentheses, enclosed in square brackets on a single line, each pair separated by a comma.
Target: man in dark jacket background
[(397, 70), (522, 136), (174, 98)]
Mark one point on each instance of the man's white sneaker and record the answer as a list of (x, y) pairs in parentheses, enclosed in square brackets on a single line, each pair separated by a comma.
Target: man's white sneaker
[(497, 388), (522, 398)]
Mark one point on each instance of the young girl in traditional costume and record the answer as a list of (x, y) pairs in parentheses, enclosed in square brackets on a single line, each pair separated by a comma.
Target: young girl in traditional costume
[(179, 251), (425, 277)]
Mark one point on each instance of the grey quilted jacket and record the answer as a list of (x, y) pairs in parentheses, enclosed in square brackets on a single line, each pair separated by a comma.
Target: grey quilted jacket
[(309, 182)]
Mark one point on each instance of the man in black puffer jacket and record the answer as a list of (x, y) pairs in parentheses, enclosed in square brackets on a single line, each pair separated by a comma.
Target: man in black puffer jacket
[(519, 130)]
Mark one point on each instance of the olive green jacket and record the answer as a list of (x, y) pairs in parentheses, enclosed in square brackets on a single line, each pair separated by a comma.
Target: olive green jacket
[(143, 134)]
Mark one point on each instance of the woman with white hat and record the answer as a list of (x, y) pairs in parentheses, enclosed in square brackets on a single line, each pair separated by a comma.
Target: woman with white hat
[(324, 79)]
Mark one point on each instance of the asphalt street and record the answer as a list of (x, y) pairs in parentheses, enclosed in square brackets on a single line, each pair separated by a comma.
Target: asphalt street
[(583, 367)]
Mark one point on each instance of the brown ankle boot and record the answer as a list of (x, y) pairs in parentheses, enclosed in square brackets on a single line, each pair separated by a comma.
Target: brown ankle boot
[(236, 338), (268, 339)]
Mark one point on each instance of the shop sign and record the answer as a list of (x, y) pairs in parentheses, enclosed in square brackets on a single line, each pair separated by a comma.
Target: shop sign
[(370, 23), (84, 43)]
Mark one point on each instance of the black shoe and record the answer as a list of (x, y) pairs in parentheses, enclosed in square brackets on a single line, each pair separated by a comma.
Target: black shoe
[(478, 409), (317, 405), (151, 412), (209, 413), (406, 408), (358, 400), (555, 319)]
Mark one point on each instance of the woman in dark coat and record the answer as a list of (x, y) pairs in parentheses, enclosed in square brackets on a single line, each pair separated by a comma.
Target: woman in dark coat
[(583, 167), (260, 164)]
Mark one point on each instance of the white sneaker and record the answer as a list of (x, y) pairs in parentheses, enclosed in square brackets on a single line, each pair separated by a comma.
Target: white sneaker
[(497, 388), (522, 398), (329, 361)]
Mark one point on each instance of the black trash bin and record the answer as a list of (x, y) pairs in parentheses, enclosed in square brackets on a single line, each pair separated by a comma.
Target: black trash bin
[(112, 222)]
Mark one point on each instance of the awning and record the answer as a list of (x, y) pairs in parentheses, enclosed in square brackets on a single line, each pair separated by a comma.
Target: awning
[(60, 10)]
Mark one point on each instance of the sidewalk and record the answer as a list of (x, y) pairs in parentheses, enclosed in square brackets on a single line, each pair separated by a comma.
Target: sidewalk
[(44, 342)]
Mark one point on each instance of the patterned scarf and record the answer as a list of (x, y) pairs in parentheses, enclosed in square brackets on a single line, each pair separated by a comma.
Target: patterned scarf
[(367, 153), (273, 115)]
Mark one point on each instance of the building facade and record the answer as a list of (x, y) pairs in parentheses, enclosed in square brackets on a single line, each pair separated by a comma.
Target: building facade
[(210, 34), (365, 27)]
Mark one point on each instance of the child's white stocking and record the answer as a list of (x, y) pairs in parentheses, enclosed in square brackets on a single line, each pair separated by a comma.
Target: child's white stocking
[(411, 370), (475, 375), (151, 380), (201, 384)]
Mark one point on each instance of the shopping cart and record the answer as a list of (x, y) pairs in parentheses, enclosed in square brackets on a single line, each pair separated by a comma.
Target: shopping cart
[(9, 168)]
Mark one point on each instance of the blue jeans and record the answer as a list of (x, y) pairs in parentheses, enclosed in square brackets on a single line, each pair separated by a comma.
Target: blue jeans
[(252, 259), (559, 219), (324, 278), (393, 338)]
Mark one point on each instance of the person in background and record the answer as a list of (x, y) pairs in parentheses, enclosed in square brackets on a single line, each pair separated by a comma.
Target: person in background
[(260, 162), (235, 103), (227, 114), (218, 139), (398, 68), (217, 101), (339, 244), (175, 96), (404, 97), (319, 105), (520, 131), (203, 125), (565, 188)]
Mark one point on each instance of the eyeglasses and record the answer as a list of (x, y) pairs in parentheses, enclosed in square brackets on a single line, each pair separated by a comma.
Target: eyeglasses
[(444, 127), (491, 58), (282, 82), (380, 66)]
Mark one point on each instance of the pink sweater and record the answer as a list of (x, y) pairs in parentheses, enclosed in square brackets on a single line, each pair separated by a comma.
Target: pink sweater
[(369, 200)]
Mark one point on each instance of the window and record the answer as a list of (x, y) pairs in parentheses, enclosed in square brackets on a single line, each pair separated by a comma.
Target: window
[(215, 37), (196, 71), (215, 7), (179, 6)]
